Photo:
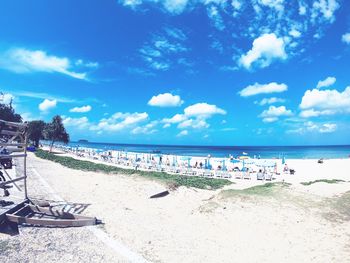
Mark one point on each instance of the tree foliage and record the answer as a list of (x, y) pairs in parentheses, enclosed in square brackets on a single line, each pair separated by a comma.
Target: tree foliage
[(7, 113), (36, 131), (55, 131)]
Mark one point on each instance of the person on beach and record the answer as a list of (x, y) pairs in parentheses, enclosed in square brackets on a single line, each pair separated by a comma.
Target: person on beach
[(285, 169)]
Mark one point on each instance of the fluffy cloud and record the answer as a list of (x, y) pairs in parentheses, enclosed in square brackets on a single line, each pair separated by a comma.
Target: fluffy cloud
[(257, 88), (194, 116), (166, 100), (182, 133), (326, 102), (272, 100), (146, 129), (82, 109), (276, 4), (310, 126), (22, 60), (46, 105), (326, 82), (6, 98), (346, 38), (193, 123), (80, 123), (328, 128), (175, 119), (266, 49), (120, 121), (203, 110), (273, 113), (315, 113), (162, 51), (324, 9), (171, 6)]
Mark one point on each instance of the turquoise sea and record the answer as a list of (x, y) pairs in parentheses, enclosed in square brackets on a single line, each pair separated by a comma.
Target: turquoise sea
[(293, 152)]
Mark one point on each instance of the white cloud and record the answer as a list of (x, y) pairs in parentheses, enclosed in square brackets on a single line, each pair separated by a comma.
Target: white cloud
[(257, 88), (214, 15), (80, 123), (266, 49), (166, 125), (22, 60), (194, 116), (120, 121), (315, 113), (326, 82), (162, 51), (309, 126), (273, 113), (6, 98), (272, 100), (325, 8), (295, 33), (329, 101), (276, 4), (171, 6), (328, 128), (166, 100), (182, 133), (346, 38), (146, 129), (193, 123), (46, 105), (82, 109), (203, 110), (175, 119)]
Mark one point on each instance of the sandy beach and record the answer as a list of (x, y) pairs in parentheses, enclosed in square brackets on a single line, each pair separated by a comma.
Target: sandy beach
[(290, 224)]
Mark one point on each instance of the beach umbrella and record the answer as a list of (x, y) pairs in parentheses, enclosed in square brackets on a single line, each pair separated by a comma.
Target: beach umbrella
[(234, 161), (209, 165), (189, 162), (205, 164), (174, 160), (283, 160), (223, 165)]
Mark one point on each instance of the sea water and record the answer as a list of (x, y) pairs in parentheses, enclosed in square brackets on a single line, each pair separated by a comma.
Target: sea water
[(292, 152)]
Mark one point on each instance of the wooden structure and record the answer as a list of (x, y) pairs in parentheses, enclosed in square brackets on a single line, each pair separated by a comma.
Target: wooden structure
[(13, 144)]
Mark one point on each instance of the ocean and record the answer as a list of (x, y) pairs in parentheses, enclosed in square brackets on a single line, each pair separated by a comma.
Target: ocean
[(292, 152)]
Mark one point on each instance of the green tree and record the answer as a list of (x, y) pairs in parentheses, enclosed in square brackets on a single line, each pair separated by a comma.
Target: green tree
[(55, 131), (36, 131), (7, 112)]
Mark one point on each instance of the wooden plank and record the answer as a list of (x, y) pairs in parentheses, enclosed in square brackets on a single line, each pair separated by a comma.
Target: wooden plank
[(7, 144), (12, 181), (14, 124), (61, 218), (7, 156), (51, 222)]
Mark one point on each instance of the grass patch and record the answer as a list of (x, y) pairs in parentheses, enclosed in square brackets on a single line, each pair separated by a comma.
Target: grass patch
[(262, 190), (173, 180), (328, 181)]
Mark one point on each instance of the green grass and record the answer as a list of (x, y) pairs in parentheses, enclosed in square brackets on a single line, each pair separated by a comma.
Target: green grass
[(171, 180), (332, 181), (262, 190)]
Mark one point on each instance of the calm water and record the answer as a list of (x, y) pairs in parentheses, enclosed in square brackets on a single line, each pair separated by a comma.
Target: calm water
[(294, 152)]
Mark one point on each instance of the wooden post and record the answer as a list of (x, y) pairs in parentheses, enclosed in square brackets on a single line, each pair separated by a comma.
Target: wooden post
[(25, 162)]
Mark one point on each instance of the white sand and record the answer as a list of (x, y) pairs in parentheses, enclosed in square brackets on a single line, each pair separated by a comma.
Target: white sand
[(298, 224)]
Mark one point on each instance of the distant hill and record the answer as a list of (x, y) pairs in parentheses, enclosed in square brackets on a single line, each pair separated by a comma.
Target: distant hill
[(83, 141)]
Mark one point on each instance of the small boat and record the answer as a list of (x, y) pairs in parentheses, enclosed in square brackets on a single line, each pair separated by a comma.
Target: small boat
[(47, 216)]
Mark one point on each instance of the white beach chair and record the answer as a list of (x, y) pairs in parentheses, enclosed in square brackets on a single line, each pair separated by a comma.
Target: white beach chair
[(260, 175)]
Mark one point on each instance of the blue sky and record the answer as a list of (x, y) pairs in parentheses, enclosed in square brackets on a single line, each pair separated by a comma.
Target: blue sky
[(198, 72)]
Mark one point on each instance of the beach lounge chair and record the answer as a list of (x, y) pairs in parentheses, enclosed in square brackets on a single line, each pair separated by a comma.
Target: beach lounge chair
[(246, 174), (260, 175)]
